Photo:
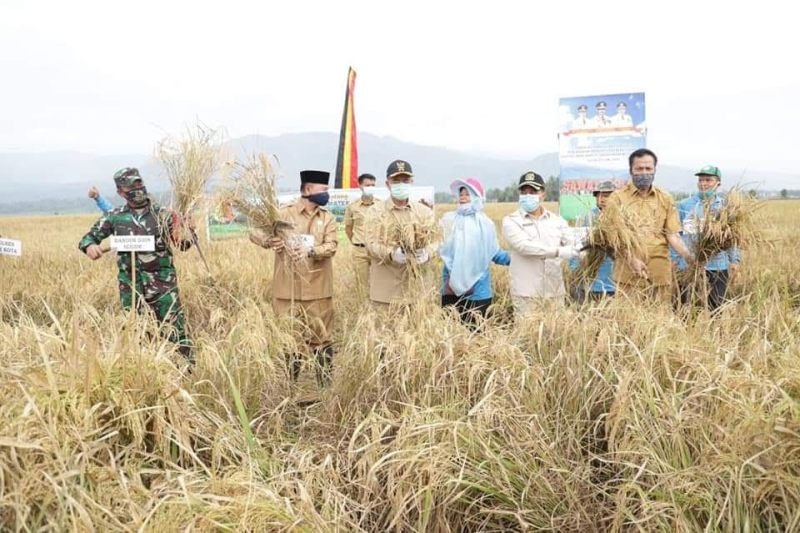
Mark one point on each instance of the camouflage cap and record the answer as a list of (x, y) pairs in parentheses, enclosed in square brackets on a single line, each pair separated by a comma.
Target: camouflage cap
[(604, 186), (125, 177)]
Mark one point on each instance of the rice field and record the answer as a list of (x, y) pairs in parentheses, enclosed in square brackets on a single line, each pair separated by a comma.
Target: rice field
[(607, 417)]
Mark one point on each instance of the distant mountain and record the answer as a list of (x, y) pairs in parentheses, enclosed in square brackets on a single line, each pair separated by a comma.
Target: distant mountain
[(56, 181)]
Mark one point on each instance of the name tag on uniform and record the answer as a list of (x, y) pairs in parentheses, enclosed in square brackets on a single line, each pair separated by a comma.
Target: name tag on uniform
[(133, 243), (303, 240)]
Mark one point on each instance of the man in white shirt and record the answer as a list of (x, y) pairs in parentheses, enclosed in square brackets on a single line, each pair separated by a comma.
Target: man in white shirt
[(538, 240), (582, 122), (622, 119), (601, 120)]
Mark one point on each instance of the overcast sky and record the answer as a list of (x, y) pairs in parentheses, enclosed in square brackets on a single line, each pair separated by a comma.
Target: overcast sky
[(721, 83)]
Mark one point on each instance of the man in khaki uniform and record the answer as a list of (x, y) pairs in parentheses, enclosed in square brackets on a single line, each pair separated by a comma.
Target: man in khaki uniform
[(654, 212), (392, 266), (303, 282), (354, 228)]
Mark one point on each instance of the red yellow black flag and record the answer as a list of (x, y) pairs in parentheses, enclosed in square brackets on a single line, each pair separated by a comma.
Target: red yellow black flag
[(347, 159)]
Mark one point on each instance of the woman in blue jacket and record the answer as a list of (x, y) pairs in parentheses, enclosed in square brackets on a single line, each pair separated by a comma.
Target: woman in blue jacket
[(469, 248)]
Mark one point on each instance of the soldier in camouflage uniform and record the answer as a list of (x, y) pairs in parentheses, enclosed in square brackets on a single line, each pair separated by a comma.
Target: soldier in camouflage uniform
[(156, 279)]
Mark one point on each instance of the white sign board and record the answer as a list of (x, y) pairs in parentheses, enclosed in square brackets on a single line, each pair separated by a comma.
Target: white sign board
[(133, 243), (10, 247)]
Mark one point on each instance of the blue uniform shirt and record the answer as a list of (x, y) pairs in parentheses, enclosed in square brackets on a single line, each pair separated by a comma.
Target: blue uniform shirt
[(691, 214), (482, 290), (604, 282)]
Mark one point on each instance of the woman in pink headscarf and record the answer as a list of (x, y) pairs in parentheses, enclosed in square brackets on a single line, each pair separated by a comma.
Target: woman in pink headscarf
[(470, 247)]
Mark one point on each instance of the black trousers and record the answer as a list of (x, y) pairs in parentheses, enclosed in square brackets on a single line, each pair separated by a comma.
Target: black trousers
[(717, 288), (468, 310)]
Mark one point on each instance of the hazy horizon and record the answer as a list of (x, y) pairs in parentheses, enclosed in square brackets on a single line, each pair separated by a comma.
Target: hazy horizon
[(103, 78)]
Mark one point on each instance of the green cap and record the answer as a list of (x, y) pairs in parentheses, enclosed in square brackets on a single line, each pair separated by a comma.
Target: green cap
[(709, 170)]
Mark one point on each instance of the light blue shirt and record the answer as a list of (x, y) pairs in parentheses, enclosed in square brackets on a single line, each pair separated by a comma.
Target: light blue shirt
[(604, 282), (691, 214), (482, 290), (103, 205)]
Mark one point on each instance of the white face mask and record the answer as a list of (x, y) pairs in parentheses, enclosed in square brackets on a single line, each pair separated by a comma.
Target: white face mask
[(368, 191), (401, 191), (529, 202)]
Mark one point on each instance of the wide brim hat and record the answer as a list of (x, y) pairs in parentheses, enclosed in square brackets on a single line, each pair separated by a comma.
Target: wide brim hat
[(472, 185)]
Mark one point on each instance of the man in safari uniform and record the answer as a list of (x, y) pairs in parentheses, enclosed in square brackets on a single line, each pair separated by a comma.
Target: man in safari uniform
[(302, 285), (390, 277), (354, 217)]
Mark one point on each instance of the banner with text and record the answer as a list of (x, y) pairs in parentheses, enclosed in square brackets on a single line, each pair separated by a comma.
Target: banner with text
[(596, 135)]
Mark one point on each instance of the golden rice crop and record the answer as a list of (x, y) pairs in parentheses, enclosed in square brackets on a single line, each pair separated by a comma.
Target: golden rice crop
[(611, 417)]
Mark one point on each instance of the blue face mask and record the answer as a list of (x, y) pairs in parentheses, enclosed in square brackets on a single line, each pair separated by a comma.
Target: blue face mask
[(368, 191), (401, 191), (321, 198), (529, 202)]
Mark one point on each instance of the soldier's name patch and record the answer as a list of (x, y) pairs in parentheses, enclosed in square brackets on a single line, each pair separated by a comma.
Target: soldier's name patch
[(133, 243), (10, 247)]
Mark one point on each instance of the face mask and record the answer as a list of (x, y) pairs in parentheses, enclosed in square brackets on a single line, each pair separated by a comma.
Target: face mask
[(475, 204), (643, 181), (465, 209), (401, 191), (137, 197), (704, 195), (321, 198), (368, 191), (529, 202)]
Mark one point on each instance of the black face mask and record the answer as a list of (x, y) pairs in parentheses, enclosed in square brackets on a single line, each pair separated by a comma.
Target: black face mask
[(321, 198), (137, 197)]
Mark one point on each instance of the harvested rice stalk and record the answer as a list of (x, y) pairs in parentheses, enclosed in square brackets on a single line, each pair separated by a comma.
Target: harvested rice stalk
[(731, 223), (615, 233), (190, 162), (254, 195), (409, 236)]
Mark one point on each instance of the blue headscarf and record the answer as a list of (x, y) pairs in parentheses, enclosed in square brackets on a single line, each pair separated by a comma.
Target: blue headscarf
[(470, 240)]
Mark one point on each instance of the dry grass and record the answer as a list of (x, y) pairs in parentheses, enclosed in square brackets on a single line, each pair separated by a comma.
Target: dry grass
[(612, 417), (253, 192), (736, 224), (189, 162)]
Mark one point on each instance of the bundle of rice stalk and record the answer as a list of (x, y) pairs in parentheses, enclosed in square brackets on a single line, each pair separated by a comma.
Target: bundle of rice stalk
[(723, 226), (731, 225), (254, 195), (410, 237), (614, 233), (189, 162)]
